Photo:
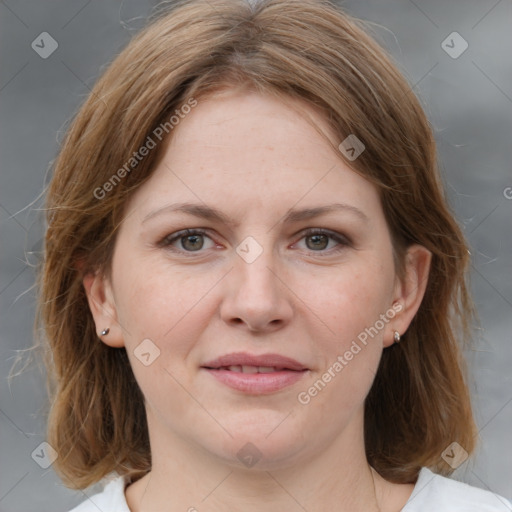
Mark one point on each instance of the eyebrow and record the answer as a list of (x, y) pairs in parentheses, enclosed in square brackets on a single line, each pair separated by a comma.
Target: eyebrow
[(208, 213)]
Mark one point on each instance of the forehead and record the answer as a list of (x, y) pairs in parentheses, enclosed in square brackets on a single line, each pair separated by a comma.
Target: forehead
[(245, 150)]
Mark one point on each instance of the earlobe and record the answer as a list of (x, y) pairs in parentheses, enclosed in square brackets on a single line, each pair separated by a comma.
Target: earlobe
[(103, 309), (410, 289)]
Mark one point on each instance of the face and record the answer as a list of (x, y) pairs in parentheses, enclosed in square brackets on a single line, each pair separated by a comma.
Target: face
[(266, 320)]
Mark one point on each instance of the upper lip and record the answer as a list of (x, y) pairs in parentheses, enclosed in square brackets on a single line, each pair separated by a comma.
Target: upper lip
[(244, 359)]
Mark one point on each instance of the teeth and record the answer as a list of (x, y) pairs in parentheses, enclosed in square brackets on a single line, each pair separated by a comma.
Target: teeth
[(266, 369), (252, 369)]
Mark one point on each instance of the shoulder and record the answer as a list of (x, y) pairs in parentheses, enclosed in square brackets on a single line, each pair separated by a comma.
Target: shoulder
[(440, 494), (111, 499)]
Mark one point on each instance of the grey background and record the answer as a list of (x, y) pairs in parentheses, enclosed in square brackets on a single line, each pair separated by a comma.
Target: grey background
[(468, 100)]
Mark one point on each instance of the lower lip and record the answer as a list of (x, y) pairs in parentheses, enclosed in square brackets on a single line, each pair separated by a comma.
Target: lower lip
[(257, 383)]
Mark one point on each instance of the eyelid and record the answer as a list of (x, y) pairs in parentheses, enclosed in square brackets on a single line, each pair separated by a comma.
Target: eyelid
[(342, 241), (176, 235), (339, 237)]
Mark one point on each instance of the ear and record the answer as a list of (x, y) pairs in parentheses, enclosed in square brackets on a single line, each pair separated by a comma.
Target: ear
[(409, 290), (103, 308)]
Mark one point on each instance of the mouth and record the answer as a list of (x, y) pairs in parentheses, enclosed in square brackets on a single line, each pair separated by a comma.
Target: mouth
[(251, 374), (252, 369)]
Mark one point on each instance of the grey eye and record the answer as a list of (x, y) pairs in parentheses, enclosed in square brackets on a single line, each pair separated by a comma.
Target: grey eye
[(317, 242), (192, 242)]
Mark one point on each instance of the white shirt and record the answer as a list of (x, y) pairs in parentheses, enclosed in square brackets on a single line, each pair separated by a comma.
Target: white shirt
[(432, 493)]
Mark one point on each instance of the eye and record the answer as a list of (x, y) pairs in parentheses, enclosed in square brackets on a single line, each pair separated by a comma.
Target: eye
[(188, 240), (318, 240), (194, 240)]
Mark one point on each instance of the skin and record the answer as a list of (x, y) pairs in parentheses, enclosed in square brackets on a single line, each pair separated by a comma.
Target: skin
[(255, 158)]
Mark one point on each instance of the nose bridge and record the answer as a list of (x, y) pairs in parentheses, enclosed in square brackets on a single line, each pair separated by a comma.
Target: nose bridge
[(253, 266), (256, 297)]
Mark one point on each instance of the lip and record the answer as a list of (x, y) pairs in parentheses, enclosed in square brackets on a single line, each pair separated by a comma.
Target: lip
[(245, 359), (289, 372)]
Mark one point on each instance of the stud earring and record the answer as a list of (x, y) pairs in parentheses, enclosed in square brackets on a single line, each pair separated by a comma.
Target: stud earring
[(396, 337), (105, 331)]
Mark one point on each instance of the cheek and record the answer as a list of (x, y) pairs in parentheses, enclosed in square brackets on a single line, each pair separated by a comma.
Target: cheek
[(350, 299), (351, 302), (168, 306), (162, 313), (352, 348)]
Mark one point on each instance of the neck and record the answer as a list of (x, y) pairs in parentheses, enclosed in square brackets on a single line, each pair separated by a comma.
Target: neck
[(183, 477)]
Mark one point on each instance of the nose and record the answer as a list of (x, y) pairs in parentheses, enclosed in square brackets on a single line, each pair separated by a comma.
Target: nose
[(257, 297)]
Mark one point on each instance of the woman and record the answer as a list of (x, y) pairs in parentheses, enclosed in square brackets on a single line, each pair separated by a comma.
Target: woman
[(253, 286)]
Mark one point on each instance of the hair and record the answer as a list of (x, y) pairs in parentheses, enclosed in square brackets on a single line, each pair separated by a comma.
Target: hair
[(307, 50)]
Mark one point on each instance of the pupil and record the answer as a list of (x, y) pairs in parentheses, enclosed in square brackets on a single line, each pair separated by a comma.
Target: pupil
[(194, 239), (319, 241)]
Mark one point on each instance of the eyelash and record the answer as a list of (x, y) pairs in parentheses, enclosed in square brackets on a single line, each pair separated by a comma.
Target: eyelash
[(342, 241)]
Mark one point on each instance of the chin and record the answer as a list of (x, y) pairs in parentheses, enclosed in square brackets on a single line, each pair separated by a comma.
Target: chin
[(265, 443)]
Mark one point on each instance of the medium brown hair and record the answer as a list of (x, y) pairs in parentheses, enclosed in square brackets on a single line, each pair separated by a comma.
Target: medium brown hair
[(308, 50)]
